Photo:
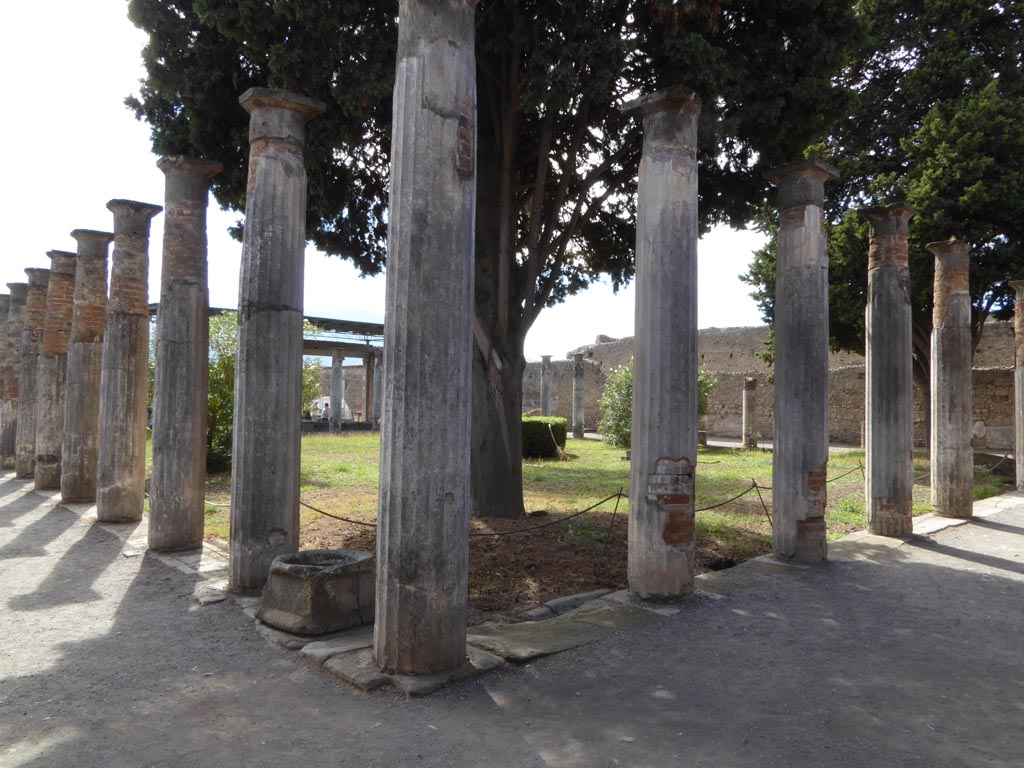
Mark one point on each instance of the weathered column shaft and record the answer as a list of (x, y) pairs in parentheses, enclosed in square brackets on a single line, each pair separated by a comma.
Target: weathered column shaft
[(177, 489), (31, 343), (124, 380), (423, 524), (12, 363), (51, 377), (545, 385), (800, 455), (268, 372), (662, 532), (750, 418), (5, 307), (1018, 382), (889, 393), (952, 388), (337, 390), (369, 369), (578, 400), (80, 453)]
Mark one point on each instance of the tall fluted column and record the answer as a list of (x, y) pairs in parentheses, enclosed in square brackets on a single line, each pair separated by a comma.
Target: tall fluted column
[(124, 380), (662, 533), (80, 453), (51, 377), (12, 363), (423, 525), (545, 385), (268, 373), (31, 343), (1018, 382), (800, 455), (5, 371), (177, 489), (750, 419), (369, 370), (337, 390), (578, 401), (952, 386), (889, 394)]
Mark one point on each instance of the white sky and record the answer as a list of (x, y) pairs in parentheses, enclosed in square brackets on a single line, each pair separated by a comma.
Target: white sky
[(72, 145)]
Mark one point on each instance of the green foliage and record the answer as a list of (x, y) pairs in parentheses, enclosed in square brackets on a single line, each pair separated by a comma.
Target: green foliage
[(540, 435), (617, 403)]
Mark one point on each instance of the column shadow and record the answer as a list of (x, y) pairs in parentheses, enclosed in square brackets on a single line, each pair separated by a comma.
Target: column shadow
[(37, 535)]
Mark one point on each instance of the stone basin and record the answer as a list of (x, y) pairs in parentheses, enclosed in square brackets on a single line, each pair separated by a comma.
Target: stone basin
[(319, 591)]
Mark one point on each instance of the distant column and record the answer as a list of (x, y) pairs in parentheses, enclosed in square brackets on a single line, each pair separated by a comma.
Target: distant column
[(1018, 381), (952, 387), (177, 489), (124, 377), (889, 396), (12, 362), (800, 455), (369, 366), (662, 533), (5, 308), (545, 385), (268, 373), (378, 385), (578, 402), (31, 343), (80, 453), (51, 378), (750, 425), (423, 525), (337, 390)]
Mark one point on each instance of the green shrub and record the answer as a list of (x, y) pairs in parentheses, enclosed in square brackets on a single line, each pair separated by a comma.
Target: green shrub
[(537, 432)]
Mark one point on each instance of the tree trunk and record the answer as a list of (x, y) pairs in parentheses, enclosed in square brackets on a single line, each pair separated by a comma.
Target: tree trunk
[(497, 464)]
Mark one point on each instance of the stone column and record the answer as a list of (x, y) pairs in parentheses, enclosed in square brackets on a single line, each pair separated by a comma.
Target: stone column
[(337, 390), (12, 364), (545, 385), (1018, 382), (952, 393), (800, 455), (578, 403), (124, 380), (31, 342), (177, 489), (378, 390), (662, 534), (750, 421), (423, 526), (51, 376), (5, 308), (80, 453), (268, 373), (889, 393), (369, 366)]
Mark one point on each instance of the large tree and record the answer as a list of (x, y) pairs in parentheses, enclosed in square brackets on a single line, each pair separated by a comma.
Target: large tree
[(557, 160)]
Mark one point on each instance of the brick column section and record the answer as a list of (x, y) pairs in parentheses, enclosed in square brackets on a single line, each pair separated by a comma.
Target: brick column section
[(124, 380), (337, 390), (800, 455), (31, 343), (177, 489), (51, 377), (545, 385), (889, 393), (662, 534), (268, 373), (12, 356), (578, 400), (80, 453), (952, 386), (423, 524), (750, 418), (1018, 382)]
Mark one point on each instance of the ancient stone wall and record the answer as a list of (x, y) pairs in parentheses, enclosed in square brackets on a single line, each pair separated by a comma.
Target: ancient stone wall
[(594, 376)]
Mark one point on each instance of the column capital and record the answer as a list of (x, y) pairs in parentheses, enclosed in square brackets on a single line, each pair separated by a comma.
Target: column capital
[(953, 253), (92, 243), (888, 219), (279, 114), (1018, 286), (38, 277), (19, 292), (62, 262), (802, 182), (192, 166), (677, 97), (132, 208), (750, 382), (545, 359)]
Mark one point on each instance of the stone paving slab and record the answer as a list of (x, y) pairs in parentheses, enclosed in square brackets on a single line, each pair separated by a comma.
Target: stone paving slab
[(478, 662), (358, 669), (352, 640)]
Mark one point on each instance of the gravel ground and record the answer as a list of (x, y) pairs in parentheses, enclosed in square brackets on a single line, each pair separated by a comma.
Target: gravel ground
[(888, 655)]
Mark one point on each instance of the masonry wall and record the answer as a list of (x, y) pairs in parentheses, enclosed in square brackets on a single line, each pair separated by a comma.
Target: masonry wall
[(561, 390)]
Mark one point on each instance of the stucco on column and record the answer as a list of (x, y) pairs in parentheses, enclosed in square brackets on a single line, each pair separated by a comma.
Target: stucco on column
[(124, 380), (80, 452), (268, 372), (545, 385), (952, 471), (423, 524), (750, 418), (889, 393), (337, 390), (578, 399), (1018, 381), (51, 378), (800, 452), (31, 342), (12, 363), (662, 533), (181, 381)]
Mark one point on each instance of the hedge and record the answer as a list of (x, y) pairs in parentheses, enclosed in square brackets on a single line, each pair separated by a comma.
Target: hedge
[(537, 431)]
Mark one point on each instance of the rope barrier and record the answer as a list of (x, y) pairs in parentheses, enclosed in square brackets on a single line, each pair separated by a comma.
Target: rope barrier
[(339, 517)]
